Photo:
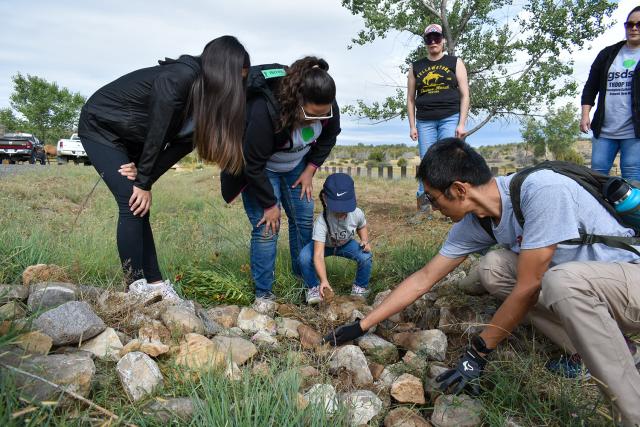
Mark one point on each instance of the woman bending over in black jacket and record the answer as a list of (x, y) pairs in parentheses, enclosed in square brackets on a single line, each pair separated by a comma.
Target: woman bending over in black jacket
[(138, 126)]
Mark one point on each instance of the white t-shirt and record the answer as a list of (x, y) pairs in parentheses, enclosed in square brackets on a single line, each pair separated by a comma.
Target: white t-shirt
[(342, 230), (617, 122)]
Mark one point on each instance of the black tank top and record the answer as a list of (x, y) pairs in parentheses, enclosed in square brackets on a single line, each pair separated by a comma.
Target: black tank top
[(437, 94)]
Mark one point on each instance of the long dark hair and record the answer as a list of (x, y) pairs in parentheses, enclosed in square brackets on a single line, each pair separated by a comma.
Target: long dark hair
[(307, 81), (218, 99)]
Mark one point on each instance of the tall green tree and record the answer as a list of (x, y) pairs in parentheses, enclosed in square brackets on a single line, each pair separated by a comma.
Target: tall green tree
[(512, 50), (43, 108), (556, 134)]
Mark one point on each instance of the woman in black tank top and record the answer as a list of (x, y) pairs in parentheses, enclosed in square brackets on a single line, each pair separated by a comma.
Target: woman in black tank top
[(437, 98)]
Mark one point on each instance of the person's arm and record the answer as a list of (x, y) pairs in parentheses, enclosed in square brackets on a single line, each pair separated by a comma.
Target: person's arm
[(363, 233), (320, 150), (463, 87), (411, 104), (585, 119), (411, 288), (591, 89), (320, 266)]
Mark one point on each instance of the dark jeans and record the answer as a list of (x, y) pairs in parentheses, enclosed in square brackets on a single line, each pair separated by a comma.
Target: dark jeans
[(350, 250), (134, 237)]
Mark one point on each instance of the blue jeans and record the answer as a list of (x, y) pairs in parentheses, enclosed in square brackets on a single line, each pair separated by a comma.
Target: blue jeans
[(264, 248), (430, 131), (604, 151), (350, 250)]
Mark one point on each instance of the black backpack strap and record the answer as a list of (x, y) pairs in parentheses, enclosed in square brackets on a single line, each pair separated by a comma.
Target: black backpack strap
[(485, 223), (618, 242), (261, 81)]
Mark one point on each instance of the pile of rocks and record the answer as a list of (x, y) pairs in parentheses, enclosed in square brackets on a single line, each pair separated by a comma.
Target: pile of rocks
[(73, 325)]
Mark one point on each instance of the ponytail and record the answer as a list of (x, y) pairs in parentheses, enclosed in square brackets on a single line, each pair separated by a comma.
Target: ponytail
[(307, 81)]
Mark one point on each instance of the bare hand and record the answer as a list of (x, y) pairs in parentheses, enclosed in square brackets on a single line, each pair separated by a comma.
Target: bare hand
[(413, 133), (460, 132), (140, 201), (366, 247), (323, 286), (271, 220), (306, 181), (585, 124), (129, 170)]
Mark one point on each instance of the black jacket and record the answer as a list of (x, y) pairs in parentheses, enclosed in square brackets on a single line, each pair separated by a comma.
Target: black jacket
[(597, 85), (142, 112), (260, 144)]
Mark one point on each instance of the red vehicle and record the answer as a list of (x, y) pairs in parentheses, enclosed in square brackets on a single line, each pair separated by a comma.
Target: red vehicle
[(20, 147)]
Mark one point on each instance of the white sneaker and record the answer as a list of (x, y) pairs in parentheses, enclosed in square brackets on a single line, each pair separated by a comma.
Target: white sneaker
[(313, 295), (149, 290), (168, 293), (359, 291), (138, 286)]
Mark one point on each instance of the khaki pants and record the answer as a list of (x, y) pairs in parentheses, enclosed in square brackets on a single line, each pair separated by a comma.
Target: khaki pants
[(585, 308)]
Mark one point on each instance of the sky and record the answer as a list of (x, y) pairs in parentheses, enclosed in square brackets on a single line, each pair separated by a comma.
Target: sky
[(84, 44)]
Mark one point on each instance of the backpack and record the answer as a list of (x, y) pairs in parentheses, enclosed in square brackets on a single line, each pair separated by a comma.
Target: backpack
[(593, 182)]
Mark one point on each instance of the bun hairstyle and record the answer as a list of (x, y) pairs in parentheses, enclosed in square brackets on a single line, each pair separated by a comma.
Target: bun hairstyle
[(307, 81)]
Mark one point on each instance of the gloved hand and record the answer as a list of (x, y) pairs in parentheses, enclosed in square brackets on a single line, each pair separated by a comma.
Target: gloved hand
[(344, 333), (466, 374)]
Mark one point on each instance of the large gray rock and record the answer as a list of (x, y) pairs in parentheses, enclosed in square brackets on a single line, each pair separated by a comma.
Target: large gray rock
[(139, 375), (73, 372), (249, 320), (45, 295), (13, 293), (238, 348), (363, 406), (70, 323), (351, 359), (456, 411), (431, 343), (379, 349), (182, 319)]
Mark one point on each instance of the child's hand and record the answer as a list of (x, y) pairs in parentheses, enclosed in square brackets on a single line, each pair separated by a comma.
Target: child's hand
[(323, 286), (366, 246)]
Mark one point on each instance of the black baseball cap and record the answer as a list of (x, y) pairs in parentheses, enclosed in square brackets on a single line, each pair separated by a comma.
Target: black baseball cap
[(340, 192)]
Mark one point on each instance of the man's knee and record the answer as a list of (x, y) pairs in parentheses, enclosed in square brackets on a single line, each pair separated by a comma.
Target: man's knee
[(566, 280), (494, 268)]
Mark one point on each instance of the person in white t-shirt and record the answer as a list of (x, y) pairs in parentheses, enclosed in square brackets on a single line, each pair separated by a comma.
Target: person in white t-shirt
[(333, 235)]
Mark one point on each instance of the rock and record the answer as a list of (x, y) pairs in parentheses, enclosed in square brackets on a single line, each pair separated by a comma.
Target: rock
[(301, 402), (153, 348), (139, 375), (197, 352), (88, 292), (13, 293), (309, 338), (405, 417), (12, 310), (265, 339), (513, 422), (106, 345), (74, 372), (458, 411), (234, 332), (323, 395), (45, 295), (43, 273), (308, 374), (460, 320), (396, 318), (363, 406), (232, 371), (379, 349), (389, 375), (265, 306), (351, 359), (154, 331), (133, 345), (138, 320), (34, 342), (261, 368), (288, 310), (225, 315), (251, 321), (70, 323), (408, 389), (288, 328), (124, 338), (436, 369), (341, 309), (211, 327), (172, 409), (376, 370), (414, 361), (183, 320), (239, 349), (431, 343), (429, 319)]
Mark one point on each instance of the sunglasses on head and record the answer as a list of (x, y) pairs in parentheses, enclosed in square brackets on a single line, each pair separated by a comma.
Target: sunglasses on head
[(433, 38), (630, 25)]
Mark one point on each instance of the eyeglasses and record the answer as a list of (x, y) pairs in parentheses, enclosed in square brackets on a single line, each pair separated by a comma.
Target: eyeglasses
[(311, 117), (631, 25), (432, 38), (433, 200)]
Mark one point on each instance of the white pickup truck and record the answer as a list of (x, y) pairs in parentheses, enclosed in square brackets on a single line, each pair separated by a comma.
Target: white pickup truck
[(71, 149)]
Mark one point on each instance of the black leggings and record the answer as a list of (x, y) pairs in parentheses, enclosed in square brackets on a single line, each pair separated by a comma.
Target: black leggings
[(135, 239)]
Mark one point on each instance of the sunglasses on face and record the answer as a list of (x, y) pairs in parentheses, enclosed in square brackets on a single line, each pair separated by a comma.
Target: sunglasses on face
[(312, 117), (631, 25), (433, 38)]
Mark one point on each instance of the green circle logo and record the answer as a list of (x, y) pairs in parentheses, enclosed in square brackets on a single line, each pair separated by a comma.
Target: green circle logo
[(307, 133), (629, 63)]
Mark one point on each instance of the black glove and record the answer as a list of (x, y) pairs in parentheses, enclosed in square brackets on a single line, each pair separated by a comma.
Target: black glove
[(344, 333), (466, 374)]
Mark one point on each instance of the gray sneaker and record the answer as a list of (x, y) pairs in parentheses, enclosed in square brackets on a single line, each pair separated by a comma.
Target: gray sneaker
[(359, 291), (313, 295)]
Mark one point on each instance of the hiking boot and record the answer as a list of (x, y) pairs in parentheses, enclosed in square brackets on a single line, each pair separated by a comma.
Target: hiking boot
[(568, 367), (265, 304), (359, 291), (313, 295)]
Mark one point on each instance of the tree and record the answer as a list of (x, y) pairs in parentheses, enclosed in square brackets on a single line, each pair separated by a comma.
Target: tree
[(512, 53), (557, 135), (45, 109)]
